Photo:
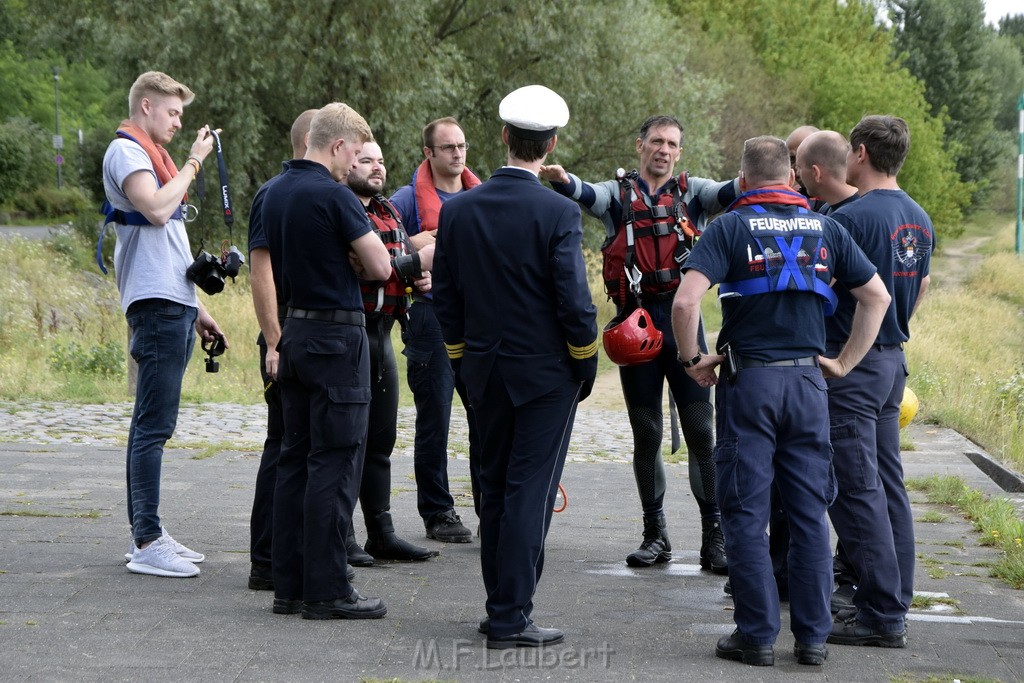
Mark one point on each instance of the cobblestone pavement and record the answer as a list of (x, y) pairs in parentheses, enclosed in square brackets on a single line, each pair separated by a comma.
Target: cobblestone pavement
[(599, 435)]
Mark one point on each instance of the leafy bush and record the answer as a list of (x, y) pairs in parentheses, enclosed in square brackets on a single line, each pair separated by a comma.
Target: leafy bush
[(12, 161), (49, 202), (102, 359)]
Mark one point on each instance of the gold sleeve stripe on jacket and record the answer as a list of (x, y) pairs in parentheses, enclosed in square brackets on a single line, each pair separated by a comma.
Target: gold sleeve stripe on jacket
[(455, 351), (581, 352)]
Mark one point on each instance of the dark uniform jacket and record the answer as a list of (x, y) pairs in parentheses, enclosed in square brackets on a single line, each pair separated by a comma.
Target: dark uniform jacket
[(510, 287)]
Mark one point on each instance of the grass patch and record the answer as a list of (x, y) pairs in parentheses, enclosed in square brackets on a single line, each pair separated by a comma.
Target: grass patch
[(212, 449), (945, 678), (924, 602), (954, 544), (91, 514), (932, 517), (994, 518)]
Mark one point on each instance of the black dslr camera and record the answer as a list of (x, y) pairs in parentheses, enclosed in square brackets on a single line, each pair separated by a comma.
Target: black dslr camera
[(213, 348), (208, 271)]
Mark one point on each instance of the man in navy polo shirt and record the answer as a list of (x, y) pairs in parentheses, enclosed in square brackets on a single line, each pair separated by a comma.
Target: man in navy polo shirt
[(313, 221), (872, 514), (773, 259)]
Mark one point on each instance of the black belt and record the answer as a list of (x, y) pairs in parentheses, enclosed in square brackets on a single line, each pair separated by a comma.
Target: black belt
[(335, 316), (886, 347), (744, 362), (282, 311)]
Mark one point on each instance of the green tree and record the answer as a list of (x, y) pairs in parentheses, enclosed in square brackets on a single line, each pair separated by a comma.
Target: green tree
[(255, 64), (834, 63), (943, 43)]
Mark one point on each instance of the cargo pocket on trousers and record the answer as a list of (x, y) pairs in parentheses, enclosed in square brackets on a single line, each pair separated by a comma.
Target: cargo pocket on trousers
[(726, 486), (346, 416), (848, 459)]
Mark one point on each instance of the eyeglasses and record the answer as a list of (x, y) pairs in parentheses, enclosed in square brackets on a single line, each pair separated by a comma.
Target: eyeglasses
[(448, 149)]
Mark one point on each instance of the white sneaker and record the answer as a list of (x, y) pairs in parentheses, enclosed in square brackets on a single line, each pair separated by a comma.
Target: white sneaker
[(159, 559), (182, 551), (186, 553)]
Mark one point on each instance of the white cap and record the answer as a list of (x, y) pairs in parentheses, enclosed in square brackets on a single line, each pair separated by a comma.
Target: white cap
[(534, 112)]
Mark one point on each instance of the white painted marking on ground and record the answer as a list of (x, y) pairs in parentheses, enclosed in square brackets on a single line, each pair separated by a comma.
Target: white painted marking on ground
[(950, 619), (673, 568)]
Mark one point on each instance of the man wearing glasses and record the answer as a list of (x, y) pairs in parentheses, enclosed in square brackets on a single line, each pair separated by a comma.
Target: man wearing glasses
[(441, 176)]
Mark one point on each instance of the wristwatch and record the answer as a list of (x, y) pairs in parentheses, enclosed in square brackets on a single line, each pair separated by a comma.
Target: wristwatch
[(689, 363)]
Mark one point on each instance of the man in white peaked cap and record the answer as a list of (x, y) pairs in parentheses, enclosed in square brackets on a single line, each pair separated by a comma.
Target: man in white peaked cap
[(521, 331)]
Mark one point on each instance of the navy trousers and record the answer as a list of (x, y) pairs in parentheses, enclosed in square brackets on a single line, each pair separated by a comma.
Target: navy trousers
[(324, 376), (872, 514), (773, 426), (433, 382), (524, 449), (261, 530)]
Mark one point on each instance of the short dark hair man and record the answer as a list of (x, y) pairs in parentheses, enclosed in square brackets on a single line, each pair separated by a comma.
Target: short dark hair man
[(871, 514), (521, 324), (441, 176), (773, 260), (313, 220), (652, 217)]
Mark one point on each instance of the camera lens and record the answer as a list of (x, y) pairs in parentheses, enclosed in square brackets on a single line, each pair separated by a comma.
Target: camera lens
[(214, 283)]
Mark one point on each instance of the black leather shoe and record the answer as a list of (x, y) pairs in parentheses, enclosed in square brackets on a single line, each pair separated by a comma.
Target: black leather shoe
[(727, 588), (484, 626), (357, 557), (712, 548), (447, 527), (851, 631), (813, 655), (531, 636), (354, 606), (735, 648), (261, 578), (286, 606), (350, 573), (842, 598), (389, 546)]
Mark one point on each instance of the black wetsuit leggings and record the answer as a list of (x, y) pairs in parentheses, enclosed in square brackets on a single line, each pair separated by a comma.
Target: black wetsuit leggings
[(643, 387), (375, 485)]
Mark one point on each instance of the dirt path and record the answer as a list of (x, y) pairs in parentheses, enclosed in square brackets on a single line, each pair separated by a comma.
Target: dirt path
[(958, 260)]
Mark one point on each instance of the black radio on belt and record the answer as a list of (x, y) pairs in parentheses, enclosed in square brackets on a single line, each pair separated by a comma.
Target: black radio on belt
[(732, 369)]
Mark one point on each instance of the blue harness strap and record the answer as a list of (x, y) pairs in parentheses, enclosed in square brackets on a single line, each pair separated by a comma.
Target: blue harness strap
[(789, 275), (112, 215)]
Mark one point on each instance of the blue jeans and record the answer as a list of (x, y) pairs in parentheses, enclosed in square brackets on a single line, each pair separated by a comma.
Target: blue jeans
[(432, 382), (163, 334)]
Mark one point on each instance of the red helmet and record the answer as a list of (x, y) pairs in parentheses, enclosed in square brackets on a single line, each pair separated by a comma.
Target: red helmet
[(632, 339)]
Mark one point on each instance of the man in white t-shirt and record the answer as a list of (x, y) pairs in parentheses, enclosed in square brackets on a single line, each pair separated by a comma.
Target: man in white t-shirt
[(145, 193)]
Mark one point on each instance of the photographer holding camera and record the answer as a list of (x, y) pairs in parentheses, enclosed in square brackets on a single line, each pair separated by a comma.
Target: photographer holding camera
[(145, 193)]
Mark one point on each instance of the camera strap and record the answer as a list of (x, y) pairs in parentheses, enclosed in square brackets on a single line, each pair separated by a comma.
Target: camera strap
[(225, 194)]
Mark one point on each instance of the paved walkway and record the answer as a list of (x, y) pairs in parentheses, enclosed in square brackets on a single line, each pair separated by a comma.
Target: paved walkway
[(70, 610)]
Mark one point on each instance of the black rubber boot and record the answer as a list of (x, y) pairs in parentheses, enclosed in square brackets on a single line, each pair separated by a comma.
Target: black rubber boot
[(384, 543), (712, 547), (655, 546), (357, 557)]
